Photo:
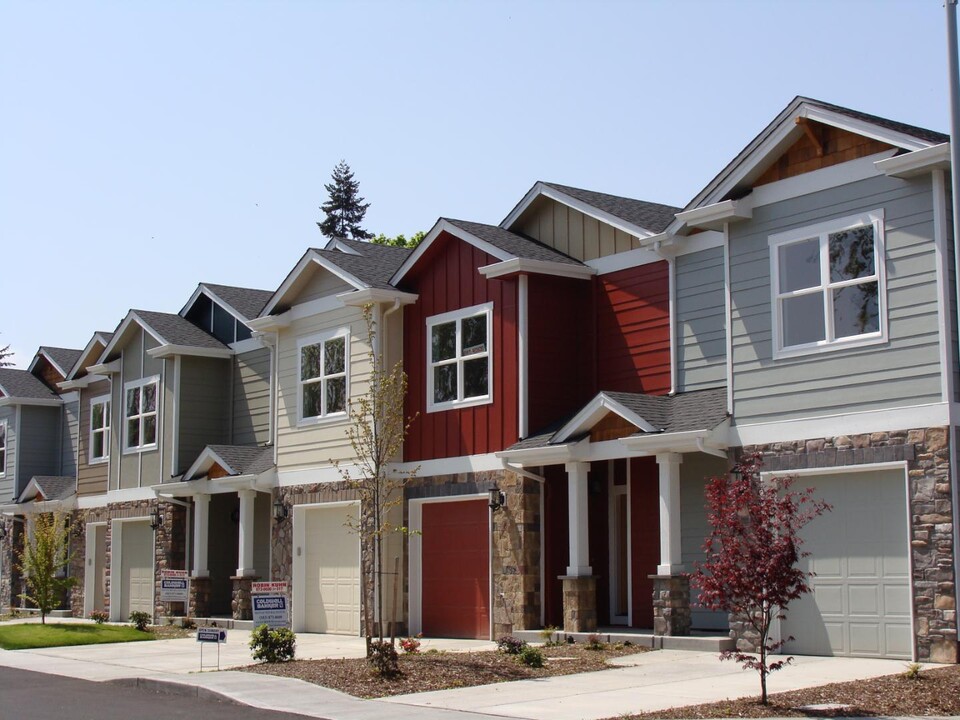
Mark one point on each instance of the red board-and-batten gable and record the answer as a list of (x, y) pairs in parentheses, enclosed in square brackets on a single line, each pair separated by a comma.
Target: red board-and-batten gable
[(445, 277)]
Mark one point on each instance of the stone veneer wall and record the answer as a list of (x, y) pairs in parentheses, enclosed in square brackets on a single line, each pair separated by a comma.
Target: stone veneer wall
[(516, 541), (927, 454)]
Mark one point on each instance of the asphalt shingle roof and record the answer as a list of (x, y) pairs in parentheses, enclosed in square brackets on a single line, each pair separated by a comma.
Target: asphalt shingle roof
[(512, 243), (245, 459), (651, 216), (64, 357), (24, 385), (698, 410), (375, 264), (176, 330), (246, 301), (56, 487), (918, 132)]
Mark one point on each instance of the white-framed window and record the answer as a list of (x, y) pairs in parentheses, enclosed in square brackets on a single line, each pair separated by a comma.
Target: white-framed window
[(460, 358), (3, 448), (828, 285), (323, 386), (99, 429), (140, 414)]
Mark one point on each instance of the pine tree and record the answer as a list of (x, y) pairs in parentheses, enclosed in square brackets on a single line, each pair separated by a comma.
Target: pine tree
[(345, 209)]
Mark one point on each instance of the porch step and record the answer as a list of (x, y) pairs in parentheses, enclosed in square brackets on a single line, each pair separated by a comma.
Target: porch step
[(703, 642), (226, 623)]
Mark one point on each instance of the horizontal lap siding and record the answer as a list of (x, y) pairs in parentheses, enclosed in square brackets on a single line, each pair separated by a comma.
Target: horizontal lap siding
[(91, 479), (317, 444), (904, 371), (447, 279), (204, 407), (633, 330), (251, 398), (701, 340), (559, 344)]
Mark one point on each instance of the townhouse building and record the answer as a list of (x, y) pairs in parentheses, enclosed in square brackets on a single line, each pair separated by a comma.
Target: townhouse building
[(576, 372)]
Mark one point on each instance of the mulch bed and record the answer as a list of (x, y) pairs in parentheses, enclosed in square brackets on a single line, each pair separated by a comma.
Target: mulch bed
[(169, 632), (428, 671), (934, 692)]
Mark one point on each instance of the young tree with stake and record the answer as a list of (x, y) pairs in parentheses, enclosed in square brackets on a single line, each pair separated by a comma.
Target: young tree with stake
[(752, 554), (43, 560)]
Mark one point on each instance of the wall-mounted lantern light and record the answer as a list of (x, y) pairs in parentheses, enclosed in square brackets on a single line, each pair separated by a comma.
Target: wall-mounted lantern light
[(156, 519), (280, 511), (497, 499)]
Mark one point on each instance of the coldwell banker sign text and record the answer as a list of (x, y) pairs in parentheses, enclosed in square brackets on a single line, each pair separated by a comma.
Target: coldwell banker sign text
[(270, 606), (174, 586)]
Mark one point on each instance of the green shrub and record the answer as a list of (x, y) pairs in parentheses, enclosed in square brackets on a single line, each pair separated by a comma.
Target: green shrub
[(273, 644), (510, 645), (383, 657), (551, 636), (140, 619), (595, 642), (913, 671), (531, 656)]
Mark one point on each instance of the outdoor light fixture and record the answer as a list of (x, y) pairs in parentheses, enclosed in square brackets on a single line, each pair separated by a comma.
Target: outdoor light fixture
[(497, 498), (280, 511), (156, 519)]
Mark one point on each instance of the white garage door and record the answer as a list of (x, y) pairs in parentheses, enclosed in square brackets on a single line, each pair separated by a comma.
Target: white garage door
[(860, 604), (136, 568), (331, 572)]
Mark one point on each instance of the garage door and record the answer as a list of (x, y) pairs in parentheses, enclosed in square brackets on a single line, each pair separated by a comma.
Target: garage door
[(136, 568), (860, 604), (331, 572), (456, 569)]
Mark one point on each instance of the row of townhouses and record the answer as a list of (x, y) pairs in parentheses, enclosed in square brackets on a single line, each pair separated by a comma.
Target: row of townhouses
[(582, 366)]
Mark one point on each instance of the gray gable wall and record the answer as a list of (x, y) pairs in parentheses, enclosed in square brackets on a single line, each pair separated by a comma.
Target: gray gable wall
[(38, 443), (701, 337), (903, 372), (204, 417), (8, 414)]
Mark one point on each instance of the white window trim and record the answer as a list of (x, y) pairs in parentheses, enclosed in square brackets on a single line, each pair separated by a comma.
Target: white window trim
[(450, 317), (142, 382), (313, 340), (820, 231), (91, 459), (6, 447)]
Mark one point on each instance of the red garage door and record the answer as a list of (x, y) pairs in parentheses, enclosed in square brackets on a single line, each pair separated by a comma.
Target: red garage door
[(456, 569)]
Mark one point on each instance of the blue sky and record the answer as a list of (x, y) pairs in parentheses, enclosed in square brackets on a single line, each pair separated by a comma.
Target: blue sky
[(149, 146)]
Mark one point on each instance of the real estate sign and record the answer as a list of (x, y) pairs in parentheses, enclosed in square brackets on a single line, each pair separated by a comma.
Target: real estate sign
[(211, 635), (174, 586), (270, 605)]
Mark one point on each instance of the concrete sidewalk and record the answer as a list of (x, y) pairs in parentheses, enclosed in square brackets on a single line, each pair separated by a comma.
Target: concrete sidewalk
[(651, 681)]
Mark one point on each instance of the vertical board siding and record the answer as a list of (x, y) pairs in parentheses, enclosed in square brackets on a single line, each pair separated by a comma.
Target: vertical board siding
[(69, 429), (8, 480), (904, 371), (572, 232), (558, 348), (701, 339), (251, 398), (448, 280), (38, 450), (203, 406), (633, 330), (317, 443), (91, 479)]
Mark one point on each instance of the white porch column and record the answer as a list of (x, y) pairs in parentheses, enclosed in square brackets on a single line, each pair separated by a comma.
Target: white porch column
[(669, 464), (201, 534), (245, 554), (577, 474)]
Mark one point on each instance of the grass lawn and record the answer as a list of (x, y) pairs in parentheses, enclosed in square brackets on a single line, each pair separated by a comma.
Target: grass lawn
[(34, 635)]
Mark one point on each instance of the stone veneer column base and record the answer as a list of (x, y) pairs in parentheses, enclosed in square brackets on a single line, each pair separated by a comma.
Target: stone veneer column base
[(241, 605), (199, 597), (671, 604), (579, 603)]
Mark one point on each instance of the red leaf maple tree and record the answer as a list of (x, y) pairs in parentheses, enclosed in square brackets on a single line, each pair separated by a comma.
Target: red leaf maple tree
[(752, 554)]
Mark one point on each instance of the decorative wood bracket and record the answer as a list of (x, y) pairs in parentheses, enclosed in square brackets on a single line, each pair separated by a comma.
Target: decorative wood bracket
[(811, 133)]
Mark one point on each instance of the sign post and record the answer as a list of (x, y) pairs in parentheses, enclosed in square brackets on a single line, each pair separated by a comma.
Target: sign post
[(211, 635), (270, 605)]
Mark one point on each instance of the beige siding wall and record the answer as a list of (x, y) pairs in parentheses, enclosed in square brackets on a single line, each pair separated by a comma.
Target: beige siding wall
[(318, 284), (91, 479), (317, 443), (571, 232)]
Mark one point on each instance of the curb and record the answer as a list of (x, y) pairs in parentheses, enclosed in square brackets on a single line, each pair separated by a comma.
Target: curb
[(172, 687)]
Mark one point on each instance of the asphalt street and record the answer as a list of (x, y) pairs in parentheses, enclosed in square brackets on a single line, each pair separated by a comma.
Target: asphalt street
[(38, 696)]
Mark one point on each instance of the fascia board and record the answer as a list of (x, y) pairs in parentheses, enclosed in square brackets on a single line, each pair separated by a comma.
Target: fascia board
[(596, 409), (33, 487), (109, 368), (41, 354), (179, 489), (538, 267), (131, 318), (442, 225), (206, 460), (666, 442), (287, 282), (358, 298), (306, 261), (36, 402), (862, 127), (97, 338), (193, 298), (169, 350), (270, 322), (534, 457), (713, 217), (917, 162)]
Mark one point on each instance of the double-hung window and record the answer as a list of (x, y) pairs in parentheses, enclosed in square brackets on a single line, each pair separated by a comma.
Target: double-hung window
[(3, 448), (828, 286), (100, 429), (140, 414), (323, 375), (460, 358)]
